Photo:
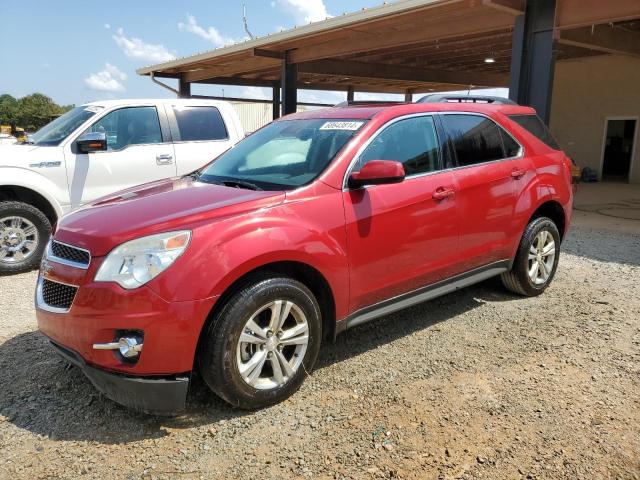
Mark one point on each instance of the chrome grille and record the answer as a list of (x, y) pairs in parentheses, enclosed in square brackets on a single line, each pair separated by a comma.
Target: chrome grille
[(58, 295), (69, 255)]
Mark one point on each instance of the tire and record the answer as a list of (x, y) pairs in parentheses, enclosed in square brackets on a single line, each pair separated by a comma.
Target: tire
[(522, 278), (20, 224), (223, 353)]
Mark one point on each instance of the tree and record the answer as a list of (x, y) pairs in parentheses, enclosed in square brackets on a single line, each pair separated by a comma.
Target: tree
[(8, 109), (31, 112)]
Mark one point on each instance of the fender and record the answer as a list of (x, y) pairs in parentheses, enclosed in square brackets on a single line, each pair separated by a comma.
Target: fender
[(22, 177), (210, 265)]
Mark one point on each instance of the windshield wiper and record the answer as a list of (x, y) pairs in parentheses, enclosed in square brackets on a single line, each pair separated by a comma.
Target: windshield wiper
[(240, 184)]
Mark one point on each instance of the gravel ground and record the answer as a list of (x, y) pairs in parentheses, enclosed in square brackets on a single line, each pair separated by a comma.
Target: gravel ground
[(479, 383)]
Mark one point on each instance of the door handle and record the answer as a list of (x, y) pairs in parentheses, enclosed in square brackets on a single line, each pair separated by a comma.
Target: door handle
[(518, 173), (164, 159), (441, 193)]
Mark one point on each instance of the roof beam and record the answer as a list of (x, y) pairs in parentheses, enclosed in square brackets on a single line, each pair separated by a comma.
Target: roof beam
[(383, 71), (486, 20), (581, 13), (259, 64), (514, 7), (604, 38)]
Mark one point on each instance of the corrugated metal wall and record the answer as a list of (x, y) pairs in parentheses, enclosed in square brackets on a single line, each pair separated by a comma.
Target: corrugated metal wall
[(255, 115)]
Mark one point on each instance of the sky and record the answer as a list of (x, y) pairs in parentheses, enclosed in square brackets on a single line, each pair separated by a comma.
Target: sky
[(78, 51)]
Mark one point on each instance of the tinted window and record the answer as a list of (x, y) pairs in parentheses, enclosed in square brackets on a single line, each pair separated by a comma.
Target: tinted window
[(200, 123), (412, 142), (284, 154), (129, 126), (534, 126), (475, 139), (511, 147)]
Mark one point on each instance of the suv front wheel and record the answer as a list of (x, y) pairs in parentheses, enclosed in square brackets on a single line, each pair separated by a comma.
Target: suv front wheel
[(536, 260), (24, 232), (262, 344)]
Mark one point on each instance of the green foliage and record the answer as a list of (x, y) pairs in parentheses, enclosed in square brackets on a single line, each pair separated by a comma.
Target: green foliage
[(31, 112)]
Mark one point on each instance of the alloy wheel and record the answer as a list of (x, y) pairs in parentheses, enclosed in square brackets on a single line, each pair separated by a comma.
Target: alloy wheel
[(18, 239), (272, 345), (542, 254)]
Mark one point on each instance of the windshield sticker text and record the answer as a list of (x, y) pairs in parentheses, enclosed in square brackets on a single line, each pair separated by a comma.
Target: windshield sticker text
[(341, 126)]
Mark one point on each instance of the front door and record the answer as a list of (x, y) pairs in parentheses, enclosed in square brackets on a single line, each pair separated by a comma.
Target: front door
[(401, 236), (136, 153)]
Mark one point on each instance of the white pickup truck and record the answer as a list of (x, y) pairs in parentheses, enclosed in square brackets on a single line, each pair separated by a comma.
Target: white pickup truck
[(97, 149)]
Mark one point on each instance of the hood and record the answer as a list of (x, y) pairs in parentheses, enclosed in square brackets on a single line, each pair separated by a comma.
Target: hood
[(167, 205), (24, 155)]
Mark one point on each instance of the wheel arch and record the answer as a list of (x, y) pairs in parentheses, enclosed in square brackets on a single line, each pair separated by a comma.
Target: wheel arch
[(553, 210), (306, 274), (30, 196)]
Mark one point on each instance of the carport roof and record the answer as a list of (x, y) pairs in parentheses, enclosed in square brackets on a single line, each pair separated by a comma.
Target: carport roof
[(410, 45)]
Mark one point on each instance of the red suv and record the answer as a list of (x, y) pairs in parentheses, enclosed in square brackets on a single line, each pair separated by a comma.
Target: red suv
[(316, 223)]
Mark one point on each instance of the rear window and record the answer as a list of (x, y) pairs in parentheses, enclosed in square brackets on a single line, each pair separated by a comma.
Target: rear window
[(535, 127), (475, 139), (200, 123)]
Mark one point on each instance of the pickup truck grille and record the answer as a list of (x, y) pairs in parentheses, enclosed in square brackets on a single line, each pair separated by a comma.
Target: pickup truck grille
[(68, 254), (58, 295)]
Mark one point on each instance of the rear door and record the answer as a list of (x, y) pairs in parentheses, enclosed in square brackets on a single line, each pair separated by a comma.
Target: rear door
[(488, 166), (200, 134), (139, 150), (401, 236)]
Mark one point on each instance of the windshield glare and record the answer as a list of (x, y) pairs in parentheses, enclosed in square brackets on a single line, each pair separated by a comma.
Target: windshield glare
[(283, 155), (53, 133)]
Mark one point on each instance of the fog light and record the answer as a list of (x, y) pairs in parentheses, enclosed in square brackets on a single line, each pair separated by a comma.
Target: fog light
[(129, 346)]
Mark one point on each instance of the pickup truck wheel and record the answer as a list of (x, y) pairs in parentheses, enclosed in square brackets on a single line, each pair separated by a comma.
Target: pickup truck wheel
[(24, 232), (536, 260), (262, 344)]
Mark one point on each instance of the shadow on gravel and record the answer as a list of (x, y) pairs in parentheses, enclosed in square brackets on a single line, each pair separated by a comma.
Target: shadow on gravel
[(603, 245), (39, 392)]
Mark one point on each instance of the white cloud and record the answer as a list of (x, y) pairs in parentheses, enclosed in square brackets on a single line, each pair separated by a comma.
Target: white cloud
[(136, 48), (210, 34), (261, 93), (304, 11), (108, 80), (107, 26)]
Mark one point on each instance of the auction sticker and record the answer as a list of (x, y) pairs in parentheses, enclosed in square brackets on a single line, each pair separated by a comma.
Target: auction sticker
[(341, 126)]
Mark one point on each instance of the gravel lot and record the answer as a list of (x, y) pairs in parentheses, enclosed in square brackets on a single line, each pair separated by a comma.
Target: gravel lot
[(479, 383)]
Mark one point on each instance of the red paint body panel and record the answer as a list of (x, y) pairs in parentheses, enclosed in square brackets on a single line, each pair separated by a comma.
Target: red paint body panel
[(368, 244)]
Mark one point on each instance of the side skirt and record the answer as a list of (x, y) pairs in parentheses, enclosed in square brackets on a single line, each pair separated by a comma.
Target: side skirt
[(423, 294)]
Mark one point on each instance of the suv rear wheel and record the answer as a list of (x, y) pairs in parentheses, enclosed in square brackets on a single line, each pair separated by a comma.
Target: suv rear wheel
[(24, 232), (262, 343), (536, 260)]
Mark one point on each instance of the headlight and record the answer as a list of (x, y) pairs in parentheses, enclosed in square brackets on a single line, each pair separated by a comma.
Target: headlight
[(135, 263)]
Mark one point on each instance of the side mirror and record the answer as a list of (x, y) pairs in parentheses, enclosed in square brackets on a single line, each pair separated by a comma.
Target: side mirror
[(377, 172), (92, 142)]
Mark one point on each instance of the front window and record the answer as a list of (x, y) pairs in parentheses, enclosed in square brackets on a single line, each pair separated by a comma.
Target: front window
[(283, 155), (129, 126), (53, 133)]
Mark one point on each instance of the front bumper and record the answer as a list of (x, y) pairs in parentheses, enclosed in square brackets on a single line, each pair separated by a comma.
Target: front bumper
[(154, 395)]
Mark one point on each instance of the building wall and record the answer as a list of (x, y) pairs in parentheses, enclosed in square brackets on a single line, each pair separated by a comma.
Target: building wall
[(585, 92), (256, 115)]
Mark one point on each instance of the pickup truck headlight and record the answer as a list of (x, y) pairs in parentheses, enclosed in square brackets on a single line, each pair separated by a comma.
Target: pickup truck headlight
[(137, 262)]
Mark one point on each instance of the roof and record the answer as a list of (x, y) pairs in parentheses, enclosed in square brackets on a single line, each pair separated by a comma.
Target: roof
[(416, 46), (361, 112)]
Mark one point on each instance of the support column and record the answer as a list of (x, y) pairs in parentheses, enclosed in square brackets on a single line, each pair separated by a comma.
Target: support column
[(288, 79), (184, 88), (276, 100), (533, 57), (408, 95), (350, 93)]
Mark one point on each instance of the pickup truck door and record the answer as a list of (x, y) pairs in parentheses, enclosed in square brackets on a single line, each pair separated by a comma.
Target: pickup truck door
[(139, 150), (200, 133)]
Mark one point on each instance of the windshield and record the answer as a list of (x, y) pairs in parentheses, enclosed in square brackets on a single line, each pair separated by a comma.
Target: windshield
[(283, 155), (56, 131)]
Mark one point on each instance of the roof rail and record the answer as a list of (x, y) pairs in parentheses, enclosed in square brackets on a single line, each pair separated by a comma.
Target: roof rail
[(351, 103), (444, 98)]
